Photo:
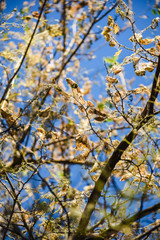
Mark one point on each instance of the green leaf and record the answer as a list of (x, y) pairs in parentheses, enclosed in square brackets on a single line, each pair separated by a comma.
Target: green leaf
[(24, 10), (158, 11), (5, 35), (153, 11), (109, 120), (26, 28), (109, 104), (111, 60), (101, 106)]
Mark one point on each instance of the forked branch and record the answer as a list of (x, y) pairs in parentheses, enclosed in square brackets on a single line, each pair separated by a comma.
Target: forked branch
[(8, 87), (115, 158)]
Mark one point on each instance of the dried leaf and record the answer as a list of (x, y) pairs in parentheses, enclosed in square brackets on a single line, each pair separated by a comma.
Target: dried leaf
[(82, 142), (90, 104), (76, 91), (8, 116), (112, 43), (140, 72), (82, 157), (20, 45), (100, 118), (44, 113), (115, 28), (126, 176), (81, 108), (107, 37), (41, 133), (111, 79), (110, 21), (54, 134), (106, 33), (148, 66), (106, 30), (97, 112), (117, 97), (146, 41), (116, 69), (137, 91), (35, 14), (73, 84), (97, 115), (152, 50), (135, 60)]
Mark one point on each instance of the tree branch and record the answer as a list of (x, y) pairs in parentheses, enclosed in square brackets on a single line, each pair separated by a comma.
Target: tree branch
[(95, 20), (147, 233), (59, 201), (24, 56), (154, 92), (14, 229), (112, 161), (15, 198), (132, 219)]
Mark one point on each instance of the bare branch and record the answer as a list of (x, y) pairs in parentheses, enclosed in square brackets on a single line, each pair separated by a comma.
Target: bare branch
[(147, 233), (135, 217), (95, 20), (154, 92), (60, 202), (107, 170), (24, 56)]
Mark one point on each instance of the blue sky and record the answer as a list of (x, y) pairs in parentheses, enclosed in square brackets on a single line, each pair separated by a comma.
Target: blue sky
[(143, 18), (141, 9)]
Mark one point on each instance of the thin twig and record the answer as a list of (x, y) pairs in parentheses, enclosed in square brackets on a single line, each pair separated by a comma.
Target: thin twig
[(110, 165), (15, 198), (95, 20), (24, 56), (147, 233), (60, 202)]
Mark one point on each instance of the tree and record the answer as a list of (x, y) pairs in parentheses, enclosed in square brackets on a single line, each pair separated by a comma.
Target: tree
[(75, 163)]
